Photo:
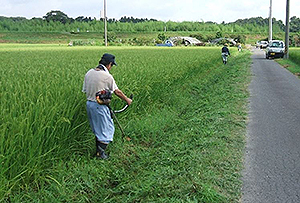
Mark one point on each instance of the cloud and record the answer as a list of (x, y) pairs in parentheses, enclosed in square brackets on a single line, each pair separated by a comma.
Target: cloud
[(175, 10), (28, 8), (142, 9)]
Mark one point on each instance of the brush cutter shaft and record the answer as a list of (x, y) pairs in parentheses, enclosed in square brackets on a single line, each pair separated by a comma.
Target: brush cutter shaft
[(113, 115), (118, 123)]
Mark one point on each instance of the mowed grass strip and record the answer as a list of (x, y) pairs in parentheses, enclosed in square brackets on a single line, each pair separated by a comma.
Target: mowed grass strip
[(186, 125), (293, 63)]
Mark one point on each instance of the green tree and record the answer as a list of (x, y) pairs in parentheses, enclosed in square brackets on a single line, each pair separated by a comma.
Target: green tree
[(162, 36), (219, 34), (57, 16), (294, 24)]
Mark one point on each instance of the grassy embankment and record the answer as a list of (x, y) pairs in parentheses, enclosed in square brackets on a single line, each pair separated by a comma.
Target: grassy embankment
[(293, 63), (97, 38), (186, 124)]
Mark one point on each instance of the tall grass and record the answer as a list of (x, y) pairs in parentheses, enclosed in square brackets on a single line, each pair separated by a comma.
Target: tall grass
[(186, 126), (293, 63), (294, 55)]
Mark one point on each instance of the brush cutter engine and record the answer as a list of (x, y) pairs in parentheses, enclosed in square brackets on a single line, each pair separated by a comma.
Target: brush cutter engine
[(103, 97)]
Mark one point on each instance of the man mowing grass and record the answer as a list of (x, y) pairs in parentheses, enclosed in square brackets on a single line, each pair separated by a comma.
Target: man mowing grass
[(99, 81), (225, 53)]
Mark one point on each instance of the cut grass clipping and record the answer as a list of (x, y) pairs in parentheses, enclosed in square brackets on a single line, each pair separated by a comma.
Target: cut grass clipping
[(186, 124)]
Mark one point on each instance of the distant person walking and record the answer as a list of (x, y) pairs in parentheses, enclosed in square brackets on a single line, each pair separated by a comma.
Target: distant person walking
[(99, 115), (225, 53), (239, 47)]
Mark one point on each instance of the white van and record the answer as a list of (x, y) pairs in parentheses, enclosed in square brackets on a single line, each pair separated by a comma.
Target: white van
[(275, 49)]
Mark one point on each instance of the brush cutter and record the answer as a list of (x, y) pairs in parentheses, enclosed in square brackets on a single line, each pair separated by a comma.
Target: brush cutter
[(113, 114), (103, 97)]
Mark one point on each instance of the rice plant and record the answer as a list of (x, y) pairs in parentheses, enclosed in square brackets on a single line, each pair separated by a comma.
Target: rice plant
[(186, 125)]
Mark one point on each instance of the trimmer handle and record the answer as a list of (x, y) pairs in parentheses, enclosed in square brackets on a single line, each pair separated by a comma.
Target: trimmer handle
[(125, 107)]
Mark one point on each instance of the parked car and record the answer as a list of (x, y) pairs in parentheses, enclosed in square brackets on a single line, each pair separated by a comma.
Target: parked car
[(258, 44), (263, 44), (275, 49)]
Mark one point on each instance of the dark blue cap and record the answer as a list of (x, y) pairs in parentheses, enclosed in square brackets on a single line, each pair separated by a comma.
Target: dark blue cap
[(109, 58)]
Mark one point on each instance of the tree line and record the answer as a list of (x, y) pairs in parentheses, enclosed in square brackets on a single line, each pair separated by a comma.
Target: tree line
[(57, 21)]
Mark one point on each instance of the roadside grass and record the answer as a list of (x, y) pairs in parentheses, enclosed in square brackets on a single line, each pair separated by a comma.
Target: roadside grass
[(187, 125), (293, 63)]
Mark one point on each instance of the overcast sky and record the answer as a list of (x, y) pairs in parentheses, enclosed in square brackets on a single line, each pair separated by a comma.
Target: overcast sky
[(174, 10)]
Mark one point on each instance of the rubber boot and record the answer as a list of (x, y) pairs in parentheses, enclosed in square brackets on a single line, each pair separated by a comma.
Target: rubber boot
[(100, 150)]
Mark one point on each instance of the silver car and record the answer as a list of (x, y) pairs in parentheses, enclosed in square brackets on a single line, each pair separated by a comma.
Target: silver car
[(275, 49)]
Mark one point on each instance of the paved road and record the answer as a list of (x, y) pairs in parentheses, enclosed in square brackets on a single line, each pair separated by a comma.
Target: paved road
[(272, 157)]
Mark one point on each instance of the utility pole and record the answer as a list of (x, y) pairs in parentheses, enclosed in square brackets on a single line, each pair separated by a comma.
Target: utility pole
[(287, 30), (105, 24), (270, 22)]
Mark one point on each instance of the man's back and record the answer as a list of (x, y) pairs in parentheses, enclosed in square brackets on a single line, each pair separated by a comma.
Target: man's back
[(97, 80), (225, 50)]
